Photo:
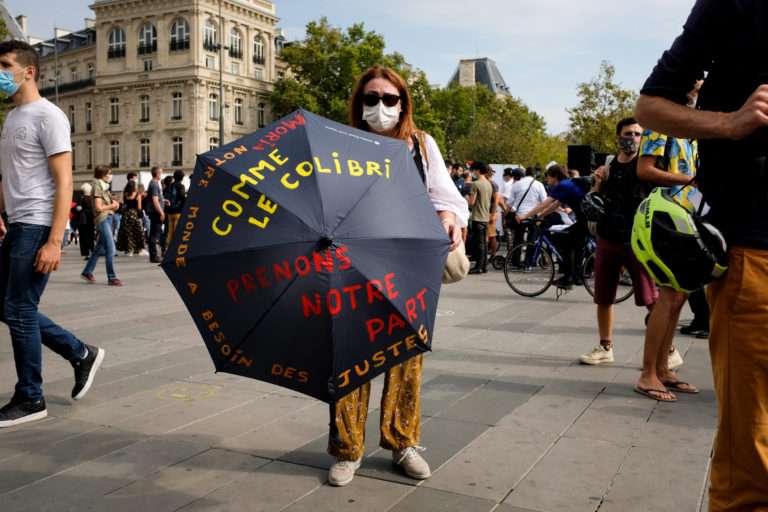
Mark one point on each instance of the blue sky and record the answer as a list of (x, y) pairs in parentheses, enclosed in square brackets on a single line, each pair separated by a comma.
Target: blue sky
[(544, 48)]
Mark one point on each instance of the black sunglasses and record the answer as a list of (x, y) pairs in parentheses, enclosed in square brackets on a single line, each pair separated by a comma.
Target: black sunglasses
[(372, 99)]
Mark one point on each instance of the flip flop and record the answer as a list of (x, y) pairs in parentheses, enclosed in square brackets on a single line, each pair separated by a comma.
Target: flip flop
[(676, 386), (649, 393)]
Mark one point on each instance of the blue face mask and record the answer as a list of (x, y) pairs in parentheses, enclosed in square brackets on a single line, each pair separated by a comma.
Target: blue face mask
[(8, 85)]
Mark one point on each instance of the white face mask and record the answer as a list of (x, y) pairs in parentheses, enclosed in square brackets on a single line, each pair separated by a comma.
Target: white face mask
[(381, 118)]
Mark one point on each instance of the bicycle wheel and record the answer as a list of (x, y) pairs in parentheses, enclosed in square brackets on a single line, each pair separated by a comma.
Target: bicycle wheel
[(528, 271), (624, 289), (498, 262)]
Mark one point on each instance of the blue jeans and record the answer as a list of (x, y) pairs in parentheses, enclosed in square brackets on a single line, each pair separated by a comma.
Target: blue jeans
[(21, 287), (105, 246)]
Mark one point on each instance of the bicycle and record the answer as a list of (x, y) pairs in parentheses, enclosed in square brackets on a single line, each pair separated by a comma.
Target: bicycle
[(529, 268)]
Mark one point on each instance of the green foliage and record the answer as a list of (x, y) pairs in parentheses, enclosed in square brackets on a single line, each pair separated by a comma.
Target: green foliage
[(5, 104), (602, 103), (467, 123)]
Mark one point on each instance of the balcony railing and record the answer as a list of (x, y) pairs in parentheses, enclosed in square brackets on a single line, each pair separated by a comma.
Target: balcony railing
[(235, 54), (116, 53), (211, 46), (176, 118), (179, 45), (114, 164), (144, 120), (144, 163), (146, 49), (68, 87), (176, 163), (259, 59), (88, 127)]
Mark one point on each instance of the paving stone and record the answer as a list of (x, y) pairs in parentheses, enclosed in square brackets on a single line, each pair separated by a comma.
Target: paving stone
[(366, 494), (573, 476), (270, 488), (183, 483), (494, 463), (490, 403), (431, 500), (445, 390)]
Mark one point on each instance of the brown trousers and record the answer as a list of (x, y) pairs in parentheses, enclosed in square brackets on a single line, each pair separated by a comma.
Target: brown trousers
[(400, 413), (173, 221), (739, 347)]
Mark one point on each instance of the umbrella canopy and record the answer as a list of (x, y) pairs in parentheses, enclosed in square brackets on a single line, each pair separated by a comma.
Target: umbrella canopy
[(309, 256)]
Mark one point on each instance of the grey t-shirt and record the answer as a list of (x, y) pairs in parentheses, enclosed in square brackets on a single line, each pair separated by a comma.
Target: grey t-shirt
[(154, 190), (31, 133)]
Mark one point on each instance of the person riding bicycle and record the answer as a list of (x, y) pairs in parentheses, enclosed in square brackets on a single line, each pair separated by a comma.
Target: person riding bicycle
[(565, 192), (618, 185)]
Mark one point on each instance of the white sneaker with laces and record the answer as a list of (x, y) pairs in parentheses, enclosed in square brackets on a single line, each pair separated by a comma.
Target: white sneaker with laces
[(675, 360), (343, 471), (412, 462), (599, 355)]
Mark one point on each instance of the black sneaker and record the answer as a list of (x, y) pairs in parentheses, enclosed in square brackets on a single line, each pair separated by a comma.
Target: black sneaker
[(693, 329), (85, 369), (18, 412)]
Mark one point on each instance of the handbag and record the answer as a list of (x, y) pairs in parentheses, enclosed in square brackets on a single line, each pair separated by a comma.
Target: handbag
[(457, 265)]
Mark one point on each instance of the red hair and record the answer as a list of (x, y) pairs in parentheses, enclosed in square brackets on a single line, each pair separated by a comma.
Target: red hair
[(405, 128)]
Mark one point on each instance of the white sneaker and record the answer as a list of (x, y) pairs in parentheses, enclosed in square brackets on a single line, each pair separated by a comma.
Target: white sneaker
[(599, 355), (343, 471), (675, 360), (412, 463), (143, 252)]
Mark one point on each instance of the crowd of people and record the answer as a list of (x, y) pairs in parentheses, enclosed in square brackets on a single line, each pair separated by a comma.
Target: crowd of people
[(673, 152)]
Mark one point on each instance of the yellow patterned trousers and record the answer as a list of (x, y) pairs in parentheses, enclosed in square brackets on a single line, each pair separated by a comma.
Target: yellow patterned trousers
[(400, 413)]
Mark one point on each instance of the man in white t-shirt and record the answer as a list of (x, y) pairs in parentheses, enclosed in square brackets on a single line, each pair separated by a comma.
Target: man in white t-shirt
[(36, 167)]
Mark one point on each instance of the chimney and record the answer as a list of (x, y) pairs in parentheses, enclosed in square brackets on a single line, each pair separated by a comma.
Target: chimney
[(90, 23), (22, 22)]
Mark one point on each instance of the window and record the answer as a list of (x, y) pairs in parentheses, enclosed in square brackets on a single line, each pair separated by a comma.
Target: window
[(116, 48), (235, 44), (147, 39), (238, 111), (260, 114), (213, 143), (210, 36), (144, 153), (114, 153), (114, 110), (88, 117), (176, 106), (210, 62), (180, 35), (90, 154), (147, 65), (178, 150), (258, 50), (235, 68), (72, 118), (74, 74), (144, 108), (213, 107), (259, 74), (91, 72)]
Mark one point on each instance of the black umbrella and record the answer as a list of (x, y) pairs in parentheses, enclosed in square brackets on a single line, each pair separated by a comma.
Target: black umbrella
[(309, 256)]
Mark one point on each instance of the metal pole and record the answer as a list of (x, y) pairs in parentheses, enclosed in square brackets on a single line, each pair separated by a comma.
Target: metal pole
[(221, 76), (56, 63)]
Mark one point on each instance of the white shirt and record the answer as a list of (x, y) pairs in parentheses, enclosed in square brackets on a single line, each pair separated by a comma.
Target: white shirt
[(440, 187), (506, 189), (536, 195), (31, 133)]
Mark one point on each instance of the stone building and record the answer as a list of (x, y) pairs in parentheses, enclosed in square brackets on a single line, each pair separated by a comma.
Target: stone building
[(140, 83), (482, 72)]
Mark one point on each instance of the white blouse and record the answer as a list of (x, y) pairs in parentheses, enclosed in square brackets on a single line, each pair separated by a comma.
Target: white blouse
[(440, 188)]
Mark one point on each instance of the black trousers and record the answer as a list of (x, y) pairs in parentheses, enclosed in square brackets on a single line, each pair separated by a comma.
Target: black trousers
[(155, 237), (480, 244), (87, 237), (569, 243), (698, 302)]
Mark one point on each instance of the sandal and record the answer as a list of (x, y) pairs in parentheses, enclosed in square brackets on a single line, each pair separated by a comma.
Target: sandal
[(655, 394), (681, 387)]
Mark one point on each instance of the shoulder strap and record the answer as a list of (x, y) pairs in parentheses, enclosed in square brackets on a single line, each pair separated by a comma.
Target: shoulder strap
[(418, 159), (526, 193), (665, 160)]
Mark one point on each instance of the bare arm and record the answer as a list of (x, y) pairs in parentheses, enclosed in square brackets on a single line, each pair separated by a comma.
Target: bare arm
[(542, 209), (472, 198), (49, 255), (99, 206), (647, 171), (666, 116)]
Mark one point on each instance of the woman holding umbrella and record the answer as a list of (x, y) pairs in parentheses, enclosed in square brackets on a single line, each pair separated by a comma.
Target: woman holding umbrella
[(381, 103)]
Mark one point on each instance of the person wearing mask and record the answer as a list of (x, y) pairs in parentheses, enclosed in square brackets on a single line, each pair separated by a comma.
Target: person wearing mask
[(36, 166), (156, 213), (618, 185), (381, 103), (104, 207), (729, 124), (480, 202)]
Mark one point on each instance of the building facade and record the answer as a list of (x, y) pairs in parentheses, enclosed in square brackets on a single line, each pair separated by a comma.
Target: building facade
[(140, 84), (481, 72)]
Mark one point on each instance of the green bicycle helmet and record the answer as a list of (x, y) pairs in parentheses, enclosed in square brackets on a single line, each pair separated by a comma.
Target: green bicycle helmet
[(677, 248)]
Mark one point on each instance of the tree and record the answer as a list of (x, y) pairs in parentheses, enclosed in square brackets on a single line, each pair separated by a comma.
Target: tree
[(5, 104), (602, 103)]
